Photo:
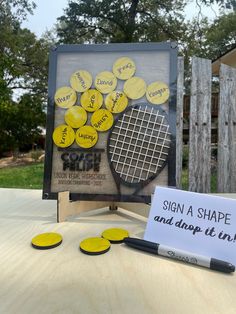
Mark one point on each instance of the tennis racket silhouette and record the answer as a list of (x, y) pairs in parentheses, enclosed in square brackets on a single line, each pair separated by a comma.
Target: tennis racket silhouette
[(138, 145)]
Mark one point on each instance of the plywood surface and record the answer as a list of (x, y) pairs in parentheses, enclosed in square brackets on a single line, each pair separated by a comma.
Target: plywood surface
[(64, 280)]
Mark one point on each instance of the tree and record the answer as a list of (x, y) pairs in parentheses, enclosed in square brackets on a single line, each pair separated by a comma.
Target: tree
[(103, 21), (221, 35), (23, 68), (20, 122)]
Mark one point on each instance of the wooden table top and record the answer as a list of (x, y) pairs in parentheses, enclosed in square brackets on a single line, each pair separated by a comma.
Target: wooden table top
[(64, 280)]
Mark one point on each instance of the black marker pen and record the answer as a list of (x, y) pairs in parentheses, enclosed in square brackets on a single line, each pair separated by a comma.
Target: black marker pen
[(184, 256)]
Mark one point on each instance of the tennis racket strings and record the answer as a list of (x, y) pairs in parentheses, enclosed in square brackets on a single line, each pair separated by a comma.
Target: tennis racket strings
[(138, 144)]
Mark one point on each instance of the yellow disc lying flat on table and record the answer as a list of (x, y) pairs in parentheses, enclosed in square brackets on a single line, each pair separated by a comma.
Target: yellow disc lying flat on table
[(76, 117), (124, 68), (86, 136), (105, 82), (81, 80), (95, 246), (63, 135), (65, 97), (157, 93), (102, 120), (116, 102), (45, 241), (91, 100), (135, 87), (115, 235)]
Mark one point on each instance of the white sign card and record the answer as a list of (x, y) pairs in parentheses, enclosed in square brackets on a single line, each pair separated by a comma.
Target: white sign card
[(193, 222)]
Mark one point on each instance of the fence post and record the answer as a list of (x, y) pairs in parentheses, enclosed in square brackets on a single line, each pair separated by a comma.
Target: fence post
[(179, 122), (226, 157), (200, 126)]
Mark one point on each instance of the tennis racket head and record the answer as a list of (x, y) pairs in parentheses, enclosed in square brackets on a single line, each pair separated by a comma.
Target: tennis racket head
[(138, 145)]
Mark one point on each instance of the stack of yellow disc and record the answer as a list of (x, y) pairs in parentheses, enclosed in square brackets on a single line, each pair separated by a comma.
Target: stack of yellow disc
[(81, 80), (105, 82), (86, 136), (157, 93), (116, 102), (63, 136), (46, 241), (115, 235), (135, 87), (95, 246), (65, 97), (102, 120), (76, 117), (124, 68)]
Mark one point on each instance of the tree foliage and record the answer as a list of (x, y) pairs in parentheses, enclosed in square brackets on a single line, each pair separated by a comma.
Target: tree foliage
[(120, 21), (23, 68)]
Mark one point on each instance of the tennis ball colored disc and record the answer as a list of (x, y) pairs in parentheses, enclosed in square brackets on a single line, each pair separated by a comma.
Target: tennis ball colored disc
[(105, 82), (157, 93), (135, 87), (115, 235), (102, 120), (95, 246), (91, 100), (81, 80), (76, 117), (45, 241), (86, 136), (65, 97), (116, 102), (63, 135), (124, 68)]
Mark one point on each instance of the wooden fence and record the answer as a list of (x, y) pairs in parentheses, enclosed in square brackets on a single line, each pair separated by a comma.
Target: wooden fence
[(200, 127)]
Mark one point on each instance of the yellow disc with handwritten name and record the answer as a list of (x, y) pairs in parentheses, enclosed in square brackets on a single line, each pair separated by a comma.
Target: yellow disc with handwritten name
[(105, 82), (102, 120), (157, 93), (116, 102), (91, 100), (45, 241), (124, 68), (76, 117), (115, 235), (135, 87), (86, 136), (81, 80), (63, 135), (95, 246), (65, 97)]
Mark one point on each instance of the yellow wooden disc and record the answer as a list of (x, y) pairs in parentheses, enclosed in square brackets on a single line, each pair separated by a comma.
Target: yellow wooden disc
[(124, 68), (63, 135), (81, 80), (95, 246), (105, 82), (115, 235), (157, 93), (102, 120), (65, 97), (86, 136), (76, 116), (135, 87), (116, 102), (91, 100), (46, 240)]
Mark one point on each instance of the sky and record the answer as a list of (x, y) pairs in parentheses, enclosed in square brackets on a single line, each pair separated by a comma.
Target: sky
[(47, 11)]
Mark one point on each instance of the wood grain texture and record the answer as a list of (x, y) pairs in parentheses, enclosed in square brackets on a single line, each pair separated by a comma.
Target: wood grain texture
[(124, 280), (179, 122), (200, 126), (226, 178)]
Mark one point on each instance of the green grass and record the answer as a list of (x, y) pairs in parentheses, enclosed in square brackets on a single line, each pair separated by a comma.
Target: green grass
[(31, 177), (22, 177), (185, 181)]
